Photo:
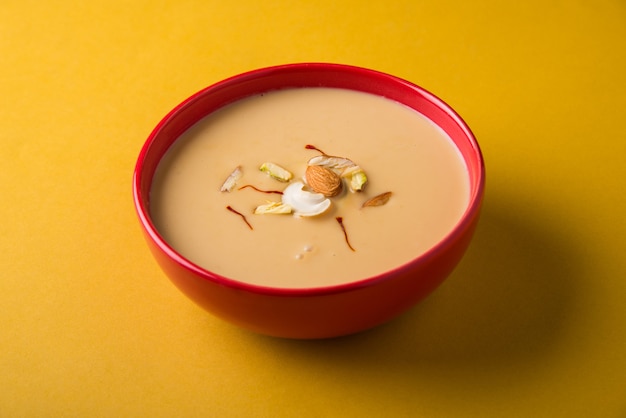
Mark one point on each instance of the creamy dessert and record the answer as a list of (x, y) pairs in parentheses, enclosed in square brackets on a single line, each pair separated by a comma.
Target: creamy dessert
[(309, 187)]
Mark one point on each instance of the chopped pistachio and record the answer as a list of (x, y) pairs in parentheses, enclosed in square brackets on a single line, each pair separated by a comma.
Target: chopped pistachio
[(231, 180), (275, 208), (276, 171), (357, 177), (358, 180)]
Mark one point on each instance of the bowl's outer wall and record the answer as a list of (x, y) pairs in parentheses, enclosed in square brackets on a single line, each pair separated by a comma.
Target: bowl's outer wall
[(318, 315), (310, 314)]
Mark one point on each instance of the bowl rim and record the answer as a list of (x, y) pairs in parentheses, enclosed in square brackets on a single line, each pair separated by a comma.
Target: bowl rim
[(142, 209)]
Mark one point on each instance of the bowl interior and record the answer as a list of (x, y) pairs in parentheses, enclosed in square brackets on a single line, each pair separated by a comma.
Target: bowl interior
[(255, 82)]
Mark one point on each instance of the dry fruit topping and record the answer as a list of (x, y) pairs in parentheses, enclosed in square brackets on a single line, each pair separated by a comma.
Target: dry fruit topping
[(325, 177)]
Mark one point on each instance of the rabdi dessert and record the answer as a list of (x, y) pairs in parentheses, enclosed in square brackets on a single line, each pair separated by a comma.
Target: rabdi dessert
[(309, 187)]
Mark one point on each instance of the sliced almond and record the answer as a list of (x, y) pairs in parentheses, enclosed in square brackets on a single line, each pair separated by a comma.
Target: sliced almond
[(379, 200), (323, 180), (331, 161), (231, 180)]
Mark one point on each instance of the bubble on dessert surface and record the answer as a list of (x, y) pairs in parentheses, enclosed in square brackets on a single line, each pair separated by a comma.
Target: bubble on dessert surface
[(308, 248), (299, 256)]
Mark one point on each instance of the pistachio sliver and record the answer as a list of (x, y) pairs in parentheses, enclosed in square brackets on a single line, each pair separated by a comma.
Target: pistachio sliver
[(275, 171), (274, 208), (231, 180), (357, 177), (357, 181)]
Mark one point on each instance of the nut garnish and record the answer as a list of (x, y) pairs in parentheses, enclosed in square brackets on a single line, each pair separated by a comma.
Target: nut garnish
[(331, 162), (323, 180), (276, 171), (345, 168), (303, 202), (231, 180), (379, 200), (274, 208), (357, 178)]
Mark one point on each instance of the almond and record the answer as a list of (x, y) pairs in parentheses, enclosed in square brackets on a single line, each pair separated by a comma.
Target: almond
[(379, 200), (323, 180)]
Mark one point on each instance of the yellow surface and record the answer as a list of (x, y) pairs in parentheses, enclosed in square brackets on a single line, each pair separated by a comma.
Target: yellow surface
[(531, 324)]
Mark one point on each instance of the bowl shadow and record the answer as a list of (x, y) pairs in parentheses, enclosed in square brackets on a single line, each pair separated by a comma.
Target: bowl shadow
[(505, 304)]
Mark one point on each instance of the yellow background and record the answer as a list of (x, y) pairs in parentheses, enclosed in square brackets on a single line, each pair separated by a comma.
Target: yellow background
[(532, 323)]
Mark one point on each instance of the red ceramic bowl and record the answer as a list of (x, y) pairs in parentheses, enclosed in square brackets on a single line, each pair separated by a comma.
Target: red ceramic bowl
[(314, 312)]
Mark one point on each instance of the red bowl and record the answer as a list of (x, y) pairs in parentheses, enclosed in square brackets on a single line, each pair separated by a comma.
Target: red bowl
[(313, 312)]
